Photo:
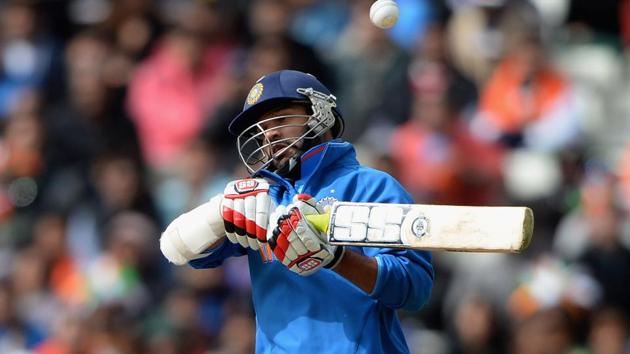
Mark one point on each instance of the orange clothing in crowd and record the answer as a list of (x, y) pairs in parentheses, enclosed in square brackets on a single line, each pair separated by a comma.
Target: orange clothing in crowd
[(510, 105), (452, 168), (68, 283), (624, 177)]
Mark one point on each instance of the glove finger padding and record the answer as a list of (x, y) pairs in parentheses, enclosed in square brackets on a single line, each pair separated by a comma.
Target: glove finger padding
[(239, 222), (250, 222), (263, 204), (228, 219), (245, 212)]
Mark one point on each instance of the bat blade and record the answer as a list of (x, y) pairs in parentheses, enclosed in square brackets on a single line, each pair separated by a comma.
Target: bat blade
[(427, 227)]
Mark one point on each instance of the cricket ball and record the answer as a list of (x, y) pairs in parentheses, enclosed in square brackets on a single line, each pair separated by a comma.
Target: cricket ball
[(384, 13)]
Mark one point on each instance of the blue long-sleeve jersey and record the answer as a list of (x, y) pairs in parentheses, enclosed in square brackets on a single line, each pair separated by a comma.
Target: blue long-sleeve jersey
[(324, 312)]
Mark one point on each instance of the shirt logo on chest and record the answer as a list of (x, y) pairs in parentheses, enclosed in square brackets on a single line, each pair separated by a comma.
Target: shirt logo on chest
[(326, 202)]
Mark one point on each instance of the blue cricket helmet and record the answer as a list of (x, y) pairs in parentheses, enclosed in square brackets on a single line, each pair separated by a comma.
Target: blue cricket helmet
[(279, 87)]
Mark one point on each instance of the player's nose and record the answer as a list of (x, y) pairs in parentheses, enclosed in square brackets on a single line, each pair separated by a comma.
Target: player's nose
[(272, 133)]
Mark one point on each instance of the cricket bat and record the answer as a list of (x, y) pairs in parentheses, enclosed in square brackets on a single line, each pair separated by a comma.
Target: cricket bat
[(427, 227)]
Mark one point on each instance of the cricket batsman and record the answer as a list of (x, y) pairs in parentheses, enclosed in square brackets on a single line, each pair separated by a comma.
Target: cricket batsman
[(309, 296)]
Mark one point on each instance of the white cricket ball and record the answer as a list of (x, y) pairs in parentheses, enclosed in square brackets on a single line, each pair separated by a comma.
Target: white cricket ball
[(384, 13)]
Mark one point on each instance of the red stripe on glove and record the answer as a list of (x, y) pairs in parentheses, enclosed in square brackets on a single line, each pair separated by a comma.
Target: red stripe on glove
[(250, 227), (239, 220), (282, 242), (261, 234), (228, 214), (295, 217)]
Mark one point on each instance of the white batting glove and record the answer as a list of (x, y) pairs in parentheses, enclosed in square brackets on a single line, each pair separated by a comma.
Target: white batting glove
[(245, 212), (296, 243)]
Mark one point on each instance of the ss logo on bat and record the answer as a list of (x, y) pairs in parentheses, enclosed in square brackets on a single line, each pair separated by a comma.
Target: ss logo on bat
[(420, 226)]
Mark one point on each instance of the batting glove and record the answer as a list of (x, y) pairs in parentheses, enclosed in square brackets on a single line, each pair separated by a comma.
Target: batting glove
[(296, 243), (245, 212)]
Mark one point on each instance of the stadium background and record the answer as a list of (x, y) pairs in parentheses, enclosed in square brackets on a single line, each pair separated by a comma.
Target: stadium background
[(113, 121)]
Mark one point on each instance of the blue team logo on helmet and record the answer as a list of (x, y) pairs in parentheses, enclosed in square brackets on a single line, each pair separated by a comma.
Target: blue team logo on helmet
[(271, 92), (255, 93), (275, 88)]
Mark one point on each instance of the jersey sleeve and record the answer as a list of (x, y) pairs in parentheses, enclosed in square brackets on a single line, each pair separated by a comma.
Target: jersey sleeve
[(405, 277), (217, 255)]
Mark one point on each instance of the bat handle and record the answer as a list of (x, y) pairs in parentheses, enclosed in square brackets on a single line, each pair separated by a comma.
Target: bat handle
[(319, 221)]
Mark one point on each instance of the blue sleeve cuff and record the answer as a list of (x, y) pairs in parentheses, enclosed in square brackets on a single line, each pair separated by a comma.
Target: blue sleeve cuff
[(378, 287), (381, 275)]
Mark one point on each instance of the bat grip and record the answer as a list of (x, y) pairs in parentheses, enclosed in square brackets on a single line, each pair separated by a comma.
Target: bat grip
[(319, 221)]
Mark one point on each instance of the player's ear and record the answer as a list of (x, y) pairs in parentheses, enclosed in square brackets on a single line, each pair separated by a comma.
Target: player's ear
[(327, 136)]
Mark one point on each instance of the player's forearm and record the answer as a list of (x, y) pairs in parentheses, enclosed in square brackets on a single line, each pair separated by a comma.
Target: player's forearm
[(359, 269), (191, 234)]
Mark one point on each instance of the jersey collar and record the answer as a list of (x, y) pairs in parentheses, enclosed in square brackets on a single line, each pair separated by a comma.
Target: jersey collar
[(315, 161)]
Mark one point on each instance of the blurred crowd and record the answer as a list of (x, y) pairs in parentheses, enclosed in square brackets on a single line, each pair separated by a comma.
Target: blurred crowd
[(113, 121)]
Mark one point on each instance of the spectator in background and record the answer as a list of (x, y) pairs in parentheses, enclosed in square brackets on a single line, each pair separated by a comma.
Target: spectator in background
[(120, 185), (109, 329), (609, 332), (117, 186), (121, 274), (29, 59), (603, 21), (135, 26), (213, 293), (232, 340), (65, 336), (432, 72), (596, 201), (317, 23), (595, 235), (415, 18), (270, 20), (450, 165), (475, 36), (22, 167), (34, 303), (22, 141), (546, 332), (86, 123), (180, 84), (15, 336), (22, 162), (623, 171), (526, 102), (50, 245), (197, 177), (477, 328), (607, 258), (177, 323), (371, 76)]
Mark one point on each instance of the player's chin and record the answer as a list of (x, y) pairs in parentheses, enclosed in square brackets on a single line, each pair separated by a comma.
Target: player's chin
[(280, 161)]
